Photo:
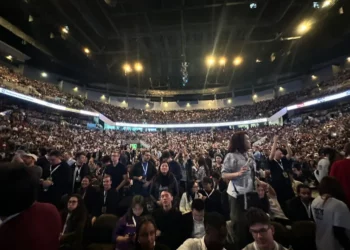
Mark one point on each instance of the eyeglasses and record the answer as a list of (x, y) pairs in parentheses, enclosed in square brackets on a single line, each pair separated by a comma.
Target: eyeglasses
[(263, 230), (72, 202)]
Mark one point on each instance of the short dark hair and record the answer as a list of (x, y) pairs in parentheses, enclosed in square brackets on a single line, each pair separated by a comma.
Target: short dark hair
[(55, 153), (284, 151), (168, 191), (107, 176), (214, 220), (143, 220), (256, 215), (42, 151), (79, 154), (106, 159), (216, 175), (300, 186), (18, 188), (331, 186), (237, 142), (207, 180), (165, 155), (198, 204), (146, 151)]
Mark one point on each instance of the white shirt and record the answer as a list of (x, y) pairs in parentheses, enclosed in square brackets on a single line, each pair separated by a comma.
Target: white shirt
[(327, 214), (194, 244), (198, 229), (322, 167)]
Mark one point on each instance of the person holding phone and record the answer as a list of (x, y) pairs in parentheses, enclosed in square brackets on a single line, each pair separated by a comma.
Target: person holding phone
[(126, 226), (239, 168)]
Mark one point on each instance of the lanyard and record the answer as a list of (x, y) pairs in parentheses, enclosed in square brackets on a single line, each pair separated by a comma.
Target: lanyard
[(133, 219), (257, 248), (308, 209), (65, 224), (77, 173), (105, 197), (145, 168), (53, 171), (208, 195), (280, 164)]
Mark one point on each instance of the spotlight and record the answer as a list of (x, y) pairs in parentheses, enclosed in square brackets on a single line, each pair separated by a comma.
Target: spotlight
[(138, 67), (188, 105), (222, 61), (52, 36), (9, 57), (75, 89), (316, 5), (30, 19), (313, 77), (237, 61), (255, 96), (147, 105), (281, 89), (210, 61), (166, 104), (86, 50), (65, 29), (127, 68), (304, 27), (103, 97), (229, 101), (43, 74), (258, 60), (348, 59)]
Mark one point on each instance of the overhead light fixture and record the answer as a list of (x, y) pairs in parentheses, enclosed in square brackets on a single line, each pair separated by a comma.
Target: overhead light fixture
[(258, 60), (188, 104), (304, 27), (138, 67), (166, 104), (52, 36), (147, 105), (86, 50), (103, 97), (9, 57), (348, 59), (341, 11), (75, 89), (255, 96), (229, 101), (281, 88), (127, 68), (65, 29), (210, 61), (30, 19), (222, 61), (237, 61), (313, 77), (327, 3), (44, 74)]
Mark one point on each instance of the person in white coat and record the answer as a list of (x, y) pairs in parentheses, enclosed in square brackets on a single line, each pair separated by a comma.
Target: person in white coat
[(188, 197)]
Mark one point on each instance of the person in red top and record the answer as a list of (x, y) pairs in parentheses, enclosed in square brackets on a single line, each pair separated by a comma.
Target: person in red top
[(341, 171), (25, 223)]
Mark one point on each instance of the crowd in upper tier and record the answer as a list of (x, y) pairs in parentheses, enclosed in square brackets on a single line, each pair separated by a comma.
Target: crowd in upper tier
[(50, 92)]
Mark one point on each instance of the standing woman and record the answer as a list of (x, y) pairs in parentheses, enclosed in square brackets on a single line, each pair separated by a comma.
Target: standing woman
[(203, 170), (146, 235), (239, 169), (74, 218), (88, 193), (164, 180), (126, 226), (332, 216)]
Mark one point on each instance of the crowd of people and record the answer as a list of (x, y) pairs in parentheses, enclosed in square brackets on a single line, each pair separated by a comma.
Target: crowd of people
[(196, 189), (42, 90)]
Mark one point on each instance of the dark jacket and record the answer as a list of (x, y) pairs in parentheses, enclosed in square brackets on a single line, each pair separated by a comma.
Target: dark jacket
[(296, 210), (84, 171), (45, 165), (138, 171), (90, 196), (161, 182), (213, 201), (73, 235), (111, 203), (175, 168), (187, 220), (61, 178), (169, 224)]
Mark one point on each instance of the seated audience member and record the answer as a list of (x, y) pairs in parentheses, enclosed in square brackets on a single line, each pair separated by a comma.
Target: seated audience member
[(189, 196), (298, 173), (215, 235), (74, 219), (79, 170), (142, 174), (262, 231), (29, 160), (202, 171), (36, 225), (341, 171), (88, 193), (126, 227), (331, 215), (164, 180), (211, 197), (194, 221), (299, 208), (219, 183), (174, 166), (107, 200), (217, 166), (169, 221), (146, 231)]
